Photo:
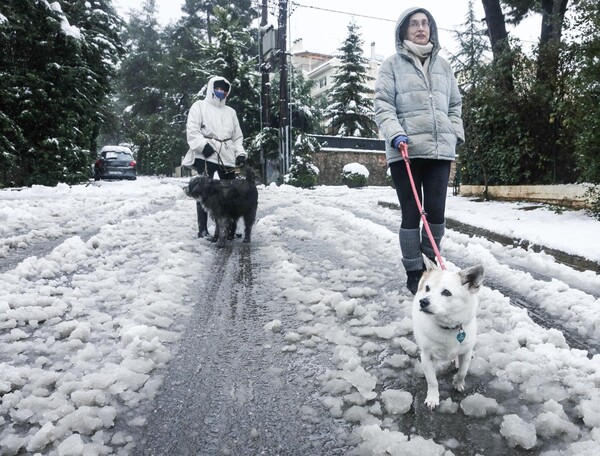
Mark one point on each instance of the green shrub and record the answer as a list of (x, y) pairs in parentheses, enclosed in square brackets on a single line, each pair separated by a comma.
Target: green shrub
[(355, 175), (302, 173)]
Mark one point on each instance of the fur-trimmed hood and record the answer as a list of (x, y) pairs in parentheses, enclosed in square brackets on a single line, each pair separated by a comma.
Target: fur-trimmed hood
[(433, 31)]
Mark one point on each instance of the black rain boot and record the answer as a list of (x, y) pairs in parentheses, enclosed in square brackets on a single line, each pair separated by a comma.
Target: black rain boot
[(412, 280), (412, 259), (202, 221)]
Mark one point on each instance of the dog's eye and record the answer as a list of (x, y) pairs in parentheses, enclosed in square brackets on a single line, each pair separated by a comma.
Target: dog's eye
[(427, 288), (446, 293)]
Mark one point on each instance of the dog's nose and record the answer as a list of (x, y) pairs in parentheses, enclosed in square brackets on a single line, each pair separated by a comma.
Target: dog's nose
[(424, 303)]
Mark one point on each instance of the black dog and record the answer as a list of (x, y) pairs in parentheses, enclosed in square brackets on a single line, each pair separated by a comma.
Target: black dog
[(226, 201)]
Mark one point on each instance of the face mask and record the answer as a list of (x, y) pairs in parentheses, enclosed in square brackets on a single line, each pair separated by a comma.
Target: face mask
[(220, 94)]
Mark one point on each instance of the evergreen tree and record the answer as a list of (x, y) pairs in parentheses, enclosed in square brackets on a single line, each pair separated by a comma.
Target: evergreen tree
[(469, 64), (189, 38), (586, 90), (306, 110), (306, 119), (228, 55), (350, 111), (473, 53), (143, 93), (55, 80)]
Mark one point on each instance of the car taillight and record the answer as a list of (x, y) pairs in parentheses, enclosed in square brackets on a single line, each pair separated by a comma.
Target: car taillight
[(132, 163)]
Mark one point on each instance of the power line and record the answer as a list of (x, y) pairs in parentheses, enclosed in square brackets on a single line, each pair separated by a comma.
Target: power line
[(373, 17), (347, 13), (354, 14), (342, 12)]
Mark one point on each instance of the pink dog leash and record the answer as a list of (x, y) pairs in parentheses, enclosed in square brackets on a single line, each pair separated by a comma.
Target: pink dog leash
[(404, 151)]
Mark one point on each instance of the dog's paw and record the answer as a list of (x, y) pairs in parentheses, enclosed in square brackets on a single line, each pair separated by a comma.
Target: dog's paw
[(459, 383), (432, 400)]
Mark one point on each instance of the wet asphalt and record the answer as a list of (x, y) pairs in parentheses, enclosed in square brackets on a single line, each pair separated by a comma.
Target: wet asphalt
[(230, 389)]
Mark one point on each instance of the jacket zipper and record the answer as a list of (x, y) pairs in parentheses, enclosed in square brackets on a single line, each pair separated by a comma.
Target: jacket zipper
[(431, 104)]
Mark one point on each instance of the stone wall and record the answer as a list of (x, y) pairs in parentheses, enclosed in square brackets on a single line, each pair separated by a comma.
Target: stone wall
[(331, 163), (569, 195)]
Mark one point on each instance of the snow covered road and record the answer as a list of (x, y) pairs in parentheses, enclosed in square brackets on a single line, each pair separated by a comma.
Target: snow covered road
[(101, 284)]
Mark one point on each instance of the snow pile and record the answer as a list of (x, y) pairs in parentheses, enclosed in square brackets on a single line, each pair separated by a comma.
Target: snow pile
[(86, 326), (356, 168), (356, 310), (518, 432), (95, 294)]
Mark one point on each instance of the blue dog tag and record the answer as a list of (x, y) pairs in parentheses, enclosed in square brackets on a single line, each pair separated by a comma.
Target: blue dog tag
[(461, 336)]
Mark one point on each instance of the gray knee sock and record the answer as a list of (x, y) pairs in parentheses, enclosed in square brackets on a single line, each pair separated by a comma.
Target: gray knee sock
[(410, 246), (438, 233)]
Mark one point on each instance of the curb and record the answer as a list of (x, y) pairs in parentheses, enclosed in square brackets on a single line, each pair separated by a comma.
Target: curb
[(574, 261)]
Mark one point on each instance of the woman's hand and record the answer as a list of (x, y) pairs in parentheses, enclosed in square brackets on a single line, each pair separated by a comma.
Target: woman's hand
[(399, 140)]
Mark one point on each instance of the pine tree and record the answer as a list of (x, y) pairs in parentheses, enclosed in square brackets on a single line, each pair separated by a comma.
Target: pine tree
[(306, 117), (142, 91), (228, 55), (55, 80), (586, 94), (350, 111), (473, 52), (469, 64)]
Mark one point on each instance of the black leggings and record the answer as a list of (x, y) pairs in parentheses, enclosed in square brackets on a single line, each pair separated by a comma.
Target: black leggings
[(211, 168), (431, 180)]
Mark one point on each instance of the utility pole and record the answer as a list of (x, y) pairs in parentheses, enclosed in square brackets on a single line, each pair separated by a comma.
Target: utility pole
[(265, 84), (283, 88), (264, 69)]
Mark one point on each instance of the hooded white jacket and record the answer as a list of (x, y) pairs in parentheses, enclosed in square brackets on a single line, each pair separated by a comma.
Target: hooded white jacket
[(421, 103), (212, 121)]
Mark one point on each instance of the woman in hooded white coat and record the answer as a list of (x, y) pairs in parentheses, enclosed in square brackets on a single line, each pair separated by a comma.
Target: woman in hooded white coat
[(214, 138)]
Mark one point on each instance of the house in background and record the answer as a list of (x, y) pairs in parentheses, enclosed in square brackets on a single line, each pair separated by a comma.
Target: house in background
[(337, 151), (321, 68)]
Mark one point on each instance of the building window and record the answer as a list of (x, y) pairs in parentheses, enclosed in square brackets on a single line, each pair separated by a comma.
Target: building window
[(322, 82)]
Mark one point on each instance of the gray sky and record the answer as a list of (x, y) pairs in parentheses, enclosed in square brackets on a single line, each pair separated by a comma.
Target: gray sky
[(322, 24)]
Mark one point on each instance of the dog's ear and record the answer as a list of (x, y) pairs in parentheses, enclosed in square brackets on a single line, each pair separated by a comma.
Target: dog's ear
[(429, 265), (472, 277)]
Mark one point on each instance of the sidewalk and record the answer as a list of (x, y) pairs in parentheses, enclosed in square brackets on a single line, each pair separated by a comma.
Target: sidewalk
[(571, 236), (574, 261)]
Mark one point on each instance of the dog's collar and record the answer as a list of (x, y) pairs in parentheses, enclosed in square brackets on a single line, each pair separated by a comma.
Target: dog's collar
[(451, 328), (460, 337)]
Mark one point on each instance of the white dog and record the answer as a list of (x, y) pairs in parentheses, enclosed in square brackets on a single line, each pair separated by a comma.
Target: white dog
[(444, 324)]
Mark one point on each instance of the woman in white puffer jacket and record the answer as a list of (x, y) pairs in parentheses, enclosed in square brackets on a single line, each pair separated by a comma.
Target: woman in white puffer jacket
[(215, 139), (417, 102)]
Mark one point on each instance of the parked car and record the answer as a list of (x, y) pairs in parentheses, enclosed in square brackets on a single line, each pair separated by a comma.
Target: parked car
[(115, 162)]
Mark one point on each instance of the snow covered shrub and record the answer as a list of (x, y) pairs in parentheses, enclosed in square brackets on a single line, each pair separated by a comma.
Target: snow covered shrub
[(303, 173), (266, 141), (355, 175)]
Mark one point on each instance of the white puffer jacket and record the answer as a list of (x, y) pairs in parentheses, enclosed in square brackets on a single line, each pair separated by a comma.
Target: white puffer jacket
[(212, 121), (423, 105)]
